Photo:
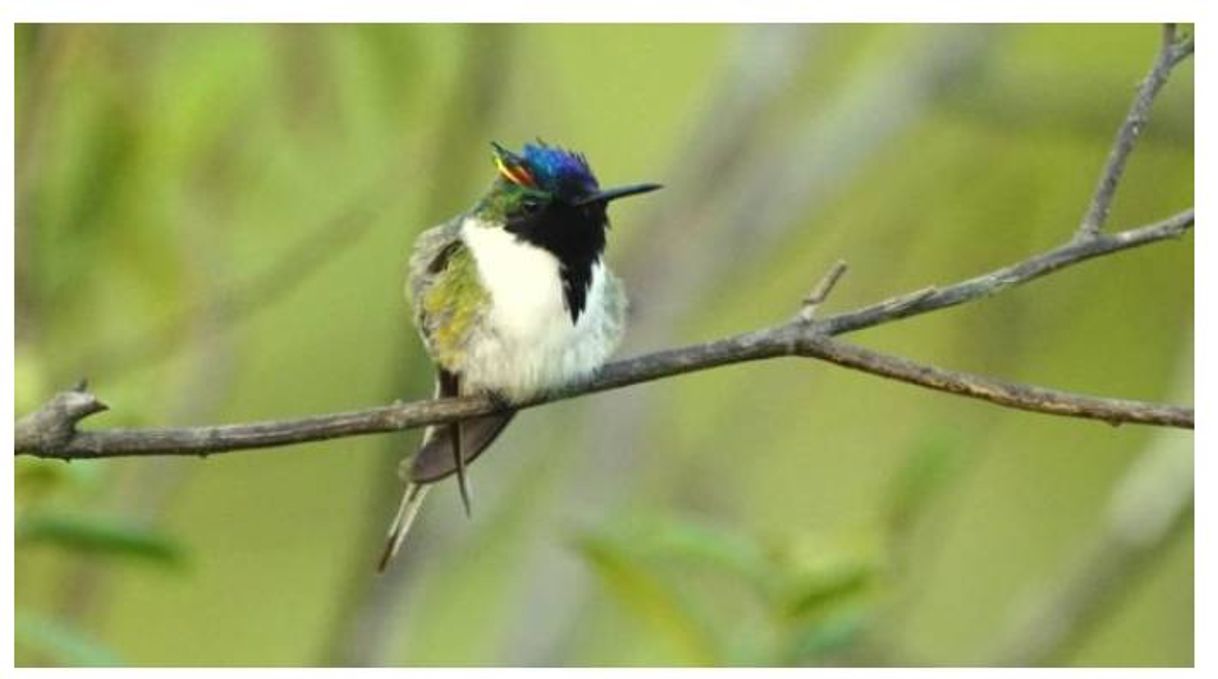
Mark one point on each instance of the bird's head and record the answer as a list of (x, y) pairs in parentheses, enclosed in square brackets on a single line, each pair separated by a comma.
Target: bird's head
[(548, 195)]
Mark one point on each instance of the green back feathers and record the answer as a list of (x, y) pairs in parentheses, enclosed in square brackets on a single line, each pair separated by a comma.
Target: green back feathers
[(451, 304)]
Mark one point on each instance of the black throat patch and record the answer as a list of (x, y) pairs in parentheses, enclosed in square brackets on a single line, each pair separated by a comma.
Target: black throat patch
[(576, 237)]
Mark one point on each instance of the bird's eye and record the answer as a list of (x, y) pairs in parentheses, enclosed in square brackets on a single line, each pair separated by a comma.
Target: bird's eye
[(531, 206)]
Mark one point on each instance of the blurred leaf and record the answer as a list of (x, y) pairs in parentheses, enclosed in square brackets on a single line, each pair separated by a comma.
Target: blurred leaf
[(821, 574), (29, 381), (695, 544), (37, 478), (924, 473), (98, 535), (61, 644), (642, 590), (831, 635), (823, 589)]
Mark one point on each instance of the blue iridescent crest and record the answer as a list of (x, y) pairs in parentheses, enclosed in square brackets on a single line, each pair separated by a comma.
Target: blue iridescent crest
[(549, 168)]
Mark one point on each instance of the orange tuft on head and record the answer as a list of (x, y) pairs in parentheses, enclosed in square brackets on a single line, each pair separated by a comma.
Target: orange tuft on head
[(517, 174)]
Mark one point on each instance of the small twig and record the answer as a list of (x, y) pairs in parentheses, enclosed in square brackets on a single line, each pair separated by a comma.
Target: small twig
[(821, 292), (1170, 53)]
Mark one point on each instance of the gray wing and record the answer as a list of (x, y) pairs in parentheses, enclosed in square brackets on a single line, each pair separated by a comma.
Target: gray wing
[(428, 255), (436, 458)]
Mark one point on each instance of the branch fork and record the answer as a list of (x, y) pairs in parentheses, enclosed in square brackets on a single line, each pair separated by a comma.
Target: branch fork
[(1171, 52)]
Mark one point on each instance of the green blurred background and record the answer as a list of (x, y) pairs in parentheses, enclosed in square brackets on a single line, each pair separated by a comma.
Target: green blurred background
[(213, 224)]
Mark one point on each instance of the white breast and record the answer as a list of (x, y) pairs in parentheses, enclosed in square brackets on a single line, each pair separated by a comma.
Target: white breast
[(523, 281), (528, 343)]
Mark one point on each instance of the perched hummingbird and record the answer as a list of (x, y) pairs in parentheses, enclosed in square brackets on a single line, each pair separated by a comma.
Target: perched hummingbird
[(512, 298)]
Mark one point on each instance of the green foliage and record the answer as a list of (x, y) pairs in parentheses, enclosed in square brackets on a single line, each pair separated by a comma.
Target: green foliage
[(836, 633), (811, 596), (60, 644), (925, 474), (98, 536), (40, 481), (657, 602)]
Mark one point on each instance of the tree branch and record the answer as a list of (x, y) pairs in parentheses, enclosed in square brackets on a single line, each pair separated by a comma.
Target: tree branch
[(50, 432)]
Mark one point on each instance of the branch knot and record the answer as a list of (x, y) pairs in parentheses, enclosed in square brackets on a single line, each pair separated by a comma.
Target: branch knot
[(50, 429)]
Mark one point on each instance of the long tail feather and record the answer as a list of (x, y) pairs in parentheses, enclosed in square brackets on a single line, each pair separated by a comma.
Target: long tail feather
[(449, 384), (459, 461), (412, 499)]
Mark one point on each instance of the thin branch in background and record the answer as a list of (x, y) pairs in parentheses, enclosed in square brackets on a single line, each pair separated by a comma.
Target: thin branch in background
[(1149, 508), (368, 615), (242, 299), (37, 82), (754, 77), (139, 493), (232, 304), (778, 187), (1171, 52)]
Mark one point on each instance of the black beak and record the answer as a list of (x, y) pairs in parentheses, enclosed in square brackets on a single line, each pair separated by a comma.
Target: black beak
[(619, 192)]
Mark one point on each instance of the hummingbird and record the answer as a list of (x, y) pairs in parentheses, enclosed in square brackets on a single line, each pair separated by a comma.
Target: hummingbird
[(511, 298)]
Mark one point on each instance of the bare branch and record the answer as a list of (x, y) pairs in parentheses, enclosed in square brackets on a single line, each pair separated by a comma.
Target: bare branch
[(1170, 53), (50, 432), (1035, 399)]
